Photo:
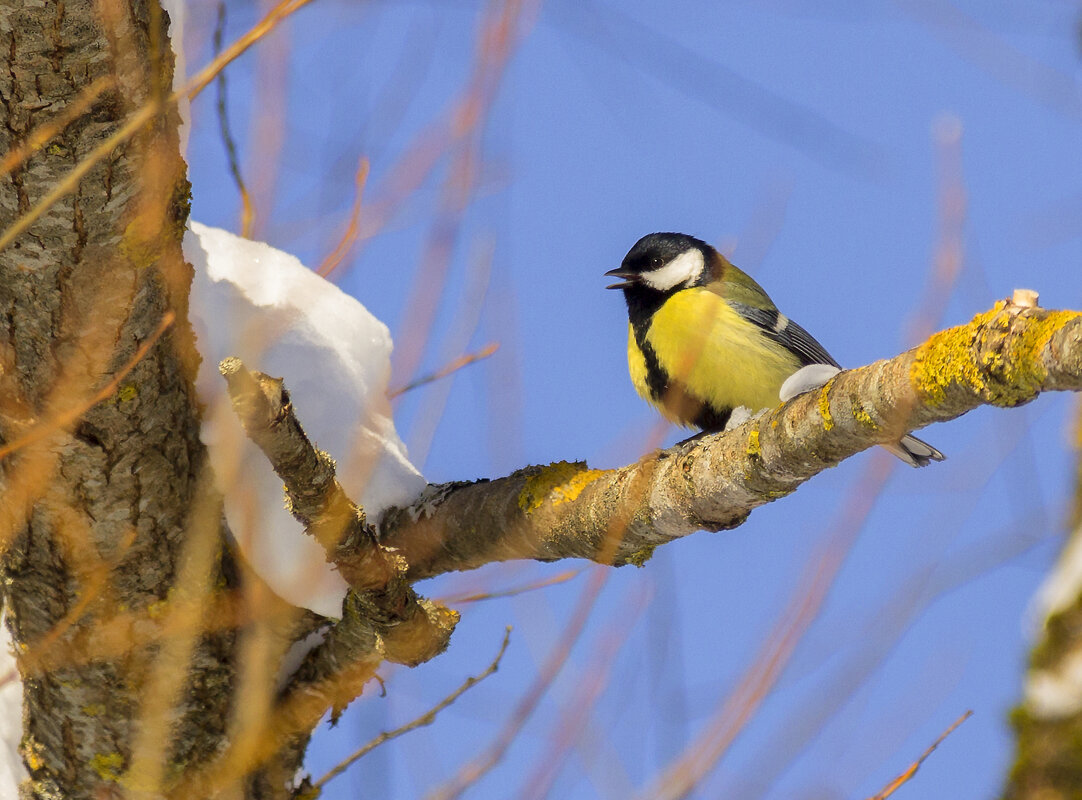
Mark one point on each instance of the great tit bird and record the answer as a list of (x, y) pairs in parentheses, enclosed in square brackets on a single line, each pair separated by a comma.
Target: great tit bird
[(705, 339)]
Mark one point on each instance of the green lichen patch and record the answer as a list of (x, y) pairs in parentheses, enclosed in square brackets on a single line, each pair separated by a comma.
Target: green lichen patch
[(563, 481), (32, 751), (108, 766), (158, 609), (1046, 757), (860, 413), (140, 247), (1023, 374), (1060, 632), (641, 556), (946, 359), (147, 235)]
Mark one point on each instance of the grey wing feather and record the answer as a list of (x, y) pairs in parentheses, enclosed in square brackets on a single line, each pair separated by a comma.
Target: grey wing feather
[(803, 345), (915, 452), (787, 333)]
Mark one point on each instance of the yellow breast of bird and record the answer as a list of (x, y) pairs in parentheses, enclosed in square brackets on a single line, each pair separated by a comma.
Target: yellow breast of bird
[(710, 353)]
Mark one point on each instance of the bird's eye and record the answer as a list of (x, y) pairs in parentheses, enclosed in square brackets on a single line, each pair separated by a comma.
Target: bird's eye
[(656, 262)]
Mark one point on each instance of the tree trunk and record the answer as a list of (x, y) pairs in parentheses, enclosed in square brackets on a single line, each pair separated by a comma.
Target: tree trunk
[(105, 499), (1048, 722)]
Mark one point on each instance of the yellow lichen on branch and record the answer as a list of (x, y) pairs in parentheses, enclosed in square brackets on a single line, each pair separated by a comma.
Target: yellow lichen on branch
[(824, 407), (562, 481), (1004, 357), (989, 357)]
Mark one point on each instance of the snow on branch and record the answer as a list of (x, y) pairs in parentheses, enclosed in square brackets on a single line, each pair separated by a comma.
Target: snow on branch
[(404, 627), (313, 494)]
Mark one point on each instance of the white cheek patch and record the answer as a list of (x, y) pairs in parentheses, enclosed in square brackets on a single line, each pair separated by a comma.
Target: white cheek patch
[(683, 269)]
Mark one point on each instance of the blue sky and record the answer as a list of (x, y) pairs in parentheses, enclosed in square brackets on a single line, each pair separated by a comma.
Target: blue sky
[(813, 141)]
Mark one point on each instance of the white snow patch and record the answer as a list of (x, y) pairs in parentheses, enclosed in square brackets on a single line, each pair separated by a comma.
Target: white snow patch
[(737, 417), (295, 655), (1055, 694), (1063, 585), (262, 305), (12, 771)]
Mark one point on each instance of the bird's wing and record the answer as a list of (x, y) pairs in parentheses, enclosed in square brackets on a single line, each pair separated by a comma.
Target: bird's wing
[(751, 301), (786, 333)]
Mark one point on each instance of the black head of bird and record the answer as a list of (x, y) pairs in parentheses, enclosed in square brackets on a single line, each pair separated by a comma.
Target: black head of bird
[(662, 262)]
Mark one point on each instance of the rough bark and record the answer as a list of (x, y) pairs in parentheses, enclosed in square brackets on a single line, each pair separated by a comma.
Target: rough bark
[(96, 514), (133, 622)]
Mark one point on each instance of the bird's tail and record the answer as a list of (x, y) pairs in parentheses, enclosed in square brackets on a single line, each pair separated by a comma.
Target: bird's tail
[(914, 451)]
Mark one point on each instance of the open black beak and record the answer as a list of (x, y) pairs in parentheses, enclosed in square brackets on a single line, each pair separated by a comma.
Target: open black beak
[(630, 278)]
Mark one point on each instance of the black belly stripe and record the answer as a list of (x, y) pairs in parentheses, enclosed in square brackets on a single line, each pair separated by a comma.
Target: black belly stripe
[(640, 326), (710, 419), (673, 395), (657, 379)]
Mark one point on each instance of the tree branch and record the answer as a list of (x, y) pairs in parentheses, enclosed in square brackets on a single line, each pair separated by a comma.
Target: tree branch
[(1003, 357), (383, 619), (314, 496), (383, 610)]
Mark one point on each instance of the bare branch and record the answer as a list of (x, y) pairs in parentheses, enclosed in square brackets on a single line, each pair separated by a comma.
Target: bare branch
[(426, 718), (448, 369), (314, 495), (1003, 357), (247, 211), (904, 778), (385, 610), (383, 619)]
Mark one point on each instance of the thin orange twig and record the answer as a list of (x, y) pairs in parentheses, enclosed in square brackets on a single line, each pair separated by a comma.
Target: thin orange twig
[(575, 716), (892, 787), (473, 771), (425, 719), (353, 228), (145, 114), (275, 16), (555, 580), (949, 256), (443, 372), (498, 36), (759, 679)]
